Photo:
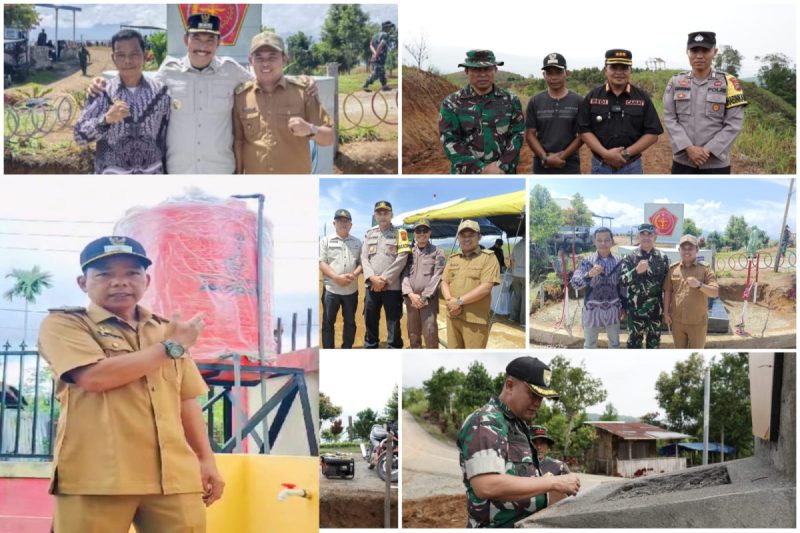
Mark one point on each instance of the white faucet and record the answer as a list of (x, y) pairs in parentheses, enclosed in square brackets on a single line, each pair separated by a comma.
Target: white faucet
[(291, 490)]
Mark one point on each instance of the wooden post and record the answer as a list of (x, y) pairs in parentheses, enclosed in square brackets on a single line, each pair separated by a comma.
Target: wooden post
[(387, 495)]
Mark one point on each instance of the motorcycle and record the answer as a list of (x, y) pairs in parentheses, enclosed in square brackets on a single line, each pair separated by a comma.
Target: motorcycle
[(375, 452)]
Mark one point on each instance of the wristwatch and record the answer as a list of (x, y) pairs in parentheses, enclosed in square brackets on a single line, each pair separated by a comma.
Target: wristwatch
[(174, 350), (625, 155), (459, 301), (701, 285), (314, 131)]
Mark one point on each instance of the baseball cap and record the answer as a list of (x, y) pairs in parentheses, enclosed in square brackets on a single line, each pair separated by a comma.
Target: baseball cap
[(533, 372), (468, 224), (111, 246)]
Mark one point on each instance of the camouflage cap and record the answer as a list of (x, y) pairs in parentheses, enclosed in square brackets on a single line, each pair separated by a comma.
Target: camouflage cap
[(203, 23), (468, 224), (267, 38), (702, 39), (533, 372), (383, 204), (342, 213), (387, 24), (480, 59), (540, 432), (423, 222), (688, 238), (110, 246), (646, 227), (618, 56)]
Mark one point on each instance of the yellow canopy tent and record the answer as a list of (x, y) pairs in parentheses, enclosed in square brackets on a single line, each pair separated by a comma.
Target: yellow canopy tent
[(506, 211)]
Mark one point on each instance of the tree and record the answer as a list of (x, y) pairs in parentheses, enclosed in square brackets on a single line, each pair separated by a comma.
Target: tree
[(545, 216), (610, 414), (577, 390), (475, 390), (301, 54), (345, 36), (363, 424), (21, 16), (28, 285), (158, 45), (328, 411), (441, 388), (730, 419), (715, 239), (680, 395), (418, 49), (728, 60), (736, 233), (578, 214), (336, 430), (779, 76), (690, 228), (390, 411), (651, 418)]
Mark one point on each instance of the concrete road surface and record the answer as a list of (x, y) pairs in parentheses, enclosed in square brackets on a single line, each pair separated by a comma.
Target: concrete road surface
[(430, 466)]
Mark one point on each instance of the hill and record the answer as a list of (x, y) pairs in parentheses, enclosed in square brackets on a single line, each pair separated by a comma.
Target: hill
[(459, 78)]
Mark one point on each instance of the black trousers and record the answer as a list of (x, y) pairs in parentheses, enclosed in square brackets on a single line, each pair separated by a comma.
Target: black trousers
[(392, 304), (678, 168), (330, 311)]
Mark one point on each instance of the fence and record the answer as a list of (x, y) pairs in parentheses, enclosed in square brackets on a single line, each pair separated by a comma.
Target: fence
[(29, 410), (631, 468), (38, 117)]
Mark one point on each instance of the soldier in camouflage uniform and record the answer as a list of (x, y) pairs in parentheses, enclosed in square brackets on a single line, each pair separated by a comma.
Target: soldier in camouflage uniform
[(481, 125), (541, 442), (496, 455), (643, 273), (379, 46)]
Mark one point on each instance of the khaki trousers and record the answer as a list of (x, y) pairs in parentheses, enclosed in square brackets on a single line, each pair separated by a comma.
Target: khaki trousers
[(689, 336), (461, 334)]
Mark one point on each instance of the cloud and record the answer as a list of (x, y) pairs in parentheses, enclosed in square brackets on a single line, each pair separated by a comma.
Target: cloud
[(101, 14), (624, 214)]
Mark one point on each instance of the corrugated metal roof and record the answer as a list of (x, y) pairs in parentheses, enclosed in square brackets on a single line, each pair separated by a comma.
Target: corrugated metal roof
[(637, 431)]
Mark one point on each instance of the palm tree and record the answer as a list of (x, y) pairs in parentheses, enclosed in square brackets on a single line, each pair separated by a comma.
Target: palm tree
[(28, 285)]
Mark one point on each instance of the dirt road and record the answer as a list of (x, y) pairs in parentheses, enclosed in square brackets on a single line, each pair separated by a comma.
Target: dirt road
[(430, 466)]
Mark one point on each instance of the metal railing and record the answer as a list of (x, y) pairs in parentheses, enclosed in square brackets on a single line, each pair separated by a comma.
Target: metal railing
[(29, 410)]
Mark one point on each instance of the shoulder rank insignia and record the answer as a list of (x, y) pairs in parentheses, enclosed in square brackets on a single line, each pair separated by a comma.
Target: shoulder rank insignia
[(241, 88), (488, 251), (67, 309)]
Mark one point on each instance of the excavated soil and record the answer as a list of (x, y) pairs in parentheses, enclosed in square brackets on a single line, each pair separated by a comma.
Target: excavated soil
[(355, 509), (435, 512)]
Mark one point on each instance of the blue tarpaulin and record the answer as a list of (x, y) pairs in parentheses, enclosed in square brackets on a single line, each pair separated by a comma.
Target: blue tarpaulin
[(714, 447)]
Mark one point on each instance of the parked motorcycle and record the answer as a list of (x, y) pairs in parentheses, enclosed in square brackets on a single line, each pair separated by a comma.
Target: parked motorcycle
[(375, 452)]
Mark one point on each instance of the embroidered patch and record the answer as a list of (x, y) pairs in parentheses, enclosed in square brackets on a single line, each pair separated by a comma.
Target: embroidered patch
[(637, 103), (599, 101)]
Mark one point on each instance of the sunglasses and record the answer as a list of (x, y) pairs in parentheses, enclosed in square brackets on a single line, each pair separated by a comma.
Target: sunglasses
[(422, 230)]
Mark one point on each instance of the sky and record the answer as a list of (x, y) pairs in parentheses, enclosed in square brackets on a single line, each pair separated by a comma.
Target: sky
[(631, 397), (46, 221), (101, 21), (358, 195), (584, 30), (709, 202), (356, 380)]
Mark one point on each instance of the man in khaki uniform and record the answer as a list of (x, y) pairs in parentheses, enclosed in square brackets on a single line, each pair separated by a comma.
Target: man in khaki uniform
[(274, 118), (420, 286), (131, 445), (467, 284), (383, 256), (687, 288)]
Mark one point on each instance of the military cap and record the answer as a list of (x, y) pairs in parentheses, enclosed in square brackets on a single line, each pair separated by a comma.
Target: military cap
[(703, 39), (203, 23), (480, 59), (468, 224), (111, 246), (647, 227), (423, 222), (387, 24), (383, 204), (342, 213), (688, 238), (267, 38), (540, 432), (554, 60), (533, 372), (618, 56)]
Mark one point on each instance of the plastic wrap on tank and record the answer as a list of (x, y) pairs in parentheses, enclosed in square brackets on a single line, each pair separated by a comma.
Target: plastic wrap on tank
[(204, 253)]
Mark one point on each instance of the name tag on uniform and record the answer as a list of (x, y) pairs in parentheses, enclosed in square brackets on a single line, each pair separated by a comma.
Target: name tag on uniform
[(249, 110), (639, 103)]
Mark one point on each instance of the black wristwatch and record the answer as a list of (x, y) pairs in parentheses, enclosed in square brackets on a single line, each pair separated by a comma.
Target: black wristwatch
[(625, 155), (174, 350)]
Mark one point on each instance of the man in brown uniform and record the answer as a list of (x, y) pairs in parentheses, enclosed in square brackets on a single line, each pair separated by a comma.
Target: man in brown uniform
[(467, 284), (131, 445), (273, 117), (687, 287), (420, 286)]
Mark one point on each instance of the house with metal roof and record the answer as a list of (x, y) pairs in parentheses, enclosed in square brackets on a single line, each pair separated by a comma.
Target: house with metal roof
[(630, 449)]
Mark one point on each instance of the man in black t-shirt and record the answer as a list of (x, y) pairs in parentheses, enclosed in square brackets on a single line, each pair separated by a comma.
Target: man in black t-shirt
[(617, 120), (551, 122)]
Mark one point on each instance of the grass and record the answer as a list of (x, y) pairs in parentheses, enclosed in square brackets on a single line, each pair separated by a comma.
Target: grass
[(350, 83), (40, 77), (347, 447)]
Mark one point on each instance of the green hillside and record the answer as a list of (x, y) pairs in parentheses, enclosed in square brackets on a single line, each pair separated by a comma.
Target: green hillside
[(502, 78)]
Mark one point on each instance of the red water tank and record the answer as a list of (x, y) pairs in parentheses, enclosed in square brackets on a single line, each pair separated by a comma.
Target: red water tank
[(204, 259)]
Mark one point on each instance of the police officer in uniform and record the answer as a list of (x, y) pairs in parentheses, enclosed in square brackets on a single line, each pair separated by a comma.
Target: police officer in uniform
[(617, 120), (703, 111), (688, 286), (501, 470), (481, 126), (131, 444), (420, 286), (542, 442), (642, 273), (383, 256), (467, 284)]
